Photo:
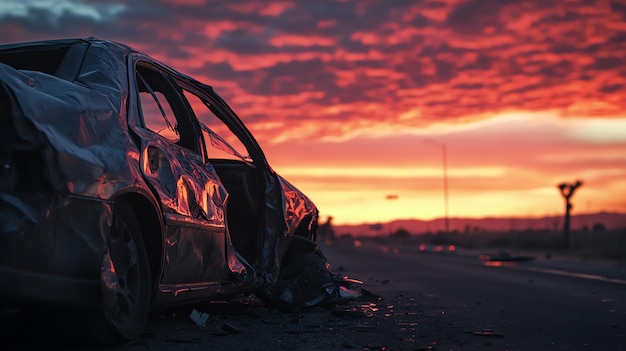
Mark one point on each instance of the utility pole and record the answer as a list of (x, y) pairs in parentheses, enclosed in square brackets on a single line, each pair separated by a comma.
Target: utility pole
[(391, 197), (567, 190)]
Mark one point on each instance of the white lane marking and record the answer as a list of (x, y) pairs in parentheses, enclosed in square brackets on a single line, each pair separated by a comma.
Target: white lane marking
[(576, 275)]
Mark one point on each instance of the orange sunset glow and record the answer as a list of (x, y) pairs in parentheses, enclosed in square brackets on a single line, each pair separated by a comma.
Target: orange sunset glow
[(354, 102)]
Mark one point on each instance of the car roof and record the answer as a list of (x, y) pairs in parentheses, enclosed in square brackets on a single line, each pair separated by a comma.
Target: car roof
[(65, 49), (65, 42)]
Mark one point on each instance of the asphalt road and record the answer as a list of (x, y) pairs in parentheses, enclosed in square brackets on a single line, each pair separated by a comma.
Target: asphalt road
[(530, 305), (412, 300)]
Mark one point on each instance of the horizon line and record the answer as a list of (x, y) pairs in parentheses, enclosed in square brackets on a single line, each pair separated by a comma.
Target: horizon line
[(477, 218)]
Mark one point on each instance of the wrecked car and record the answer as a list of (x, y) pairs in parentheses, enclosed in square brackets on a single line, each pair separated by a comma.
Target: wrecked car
[(127, 186)]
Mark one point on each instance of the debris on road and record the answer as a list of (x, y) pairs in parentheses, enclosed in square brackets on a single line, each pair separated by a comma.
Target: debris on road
[(199, 318), (184, 340), (487, 333), (306, 280), (231, 329), (504, 256)]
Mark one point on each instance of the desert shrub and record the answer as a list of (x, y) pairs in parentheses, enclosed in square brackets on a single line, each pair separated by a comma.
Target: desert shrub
[(400, 234)]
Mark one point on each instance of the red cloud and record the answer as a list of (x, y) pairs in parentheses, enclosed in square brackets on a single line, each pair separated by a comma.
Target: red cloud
[(301, 40), (273, 8), (300, 74)]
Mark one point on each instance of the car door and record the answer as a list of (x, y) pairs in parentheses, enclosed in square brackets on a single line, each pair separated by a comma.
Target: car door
[(255, 211), (191, 195)]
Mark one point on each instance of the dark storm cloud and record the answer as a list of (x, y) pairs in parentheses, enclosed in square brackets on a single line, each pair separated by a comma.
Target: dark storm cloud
[(608, 89), (285, 78), (474, 16), (607, 63)]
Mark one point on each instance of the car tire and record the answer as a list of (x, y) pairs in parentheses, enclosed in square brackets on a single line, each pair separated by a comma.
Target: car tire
[(126, 312), (126, 291)]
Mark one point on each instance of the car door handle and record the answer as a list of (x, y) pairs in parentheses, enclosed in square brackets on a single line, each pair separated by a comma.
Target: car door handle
[(153, 158)]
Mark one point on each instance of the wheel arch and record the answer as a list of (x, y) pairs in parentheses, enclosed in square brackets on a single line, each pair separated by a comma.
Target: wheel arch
[(150, 221)]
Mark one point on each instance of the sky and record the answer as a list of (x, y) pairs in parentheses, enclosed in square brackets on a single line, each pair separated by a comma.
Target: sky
[(370, 106)]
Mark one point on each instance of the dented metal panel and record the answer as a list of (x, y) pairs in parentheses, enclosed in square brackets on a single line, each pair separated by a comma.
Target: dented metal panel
[(39, 239), (297, 207), (306, 280)]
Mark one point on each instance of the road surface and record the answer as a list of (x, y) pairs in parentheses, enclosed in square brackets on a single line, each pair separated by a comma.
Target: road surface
[(528, 305), (428, 301)]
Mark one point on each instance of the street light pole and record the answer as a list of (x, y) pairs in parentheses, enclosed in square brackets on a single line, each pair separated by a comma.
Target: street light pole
[(445, 184), (391, 197), (445, 180)]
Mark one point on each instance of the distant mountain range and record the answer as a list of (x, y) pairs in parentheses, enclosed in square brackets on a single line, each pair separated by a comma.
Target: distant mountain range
[(608, 220)]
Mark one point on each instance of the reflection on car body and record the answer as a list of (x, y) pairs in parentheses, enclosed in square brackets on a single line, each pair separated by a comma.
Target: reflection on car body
[(128, 186)]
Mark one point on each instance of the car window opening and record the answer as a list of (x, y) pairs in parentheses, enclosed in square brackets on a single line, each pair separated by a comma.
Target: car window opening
[(219, 143), (244, 182), (167, 121)]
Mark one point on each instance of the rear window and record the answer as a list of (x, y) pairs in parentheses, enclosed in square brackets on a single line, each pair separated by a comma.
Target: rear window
[(60, 59), (46, 59)]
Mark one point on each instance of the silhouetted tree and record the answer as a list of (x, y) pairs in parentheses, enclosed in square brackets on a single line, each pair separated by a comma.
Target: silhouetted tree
[(598, 227), (401, 233), (567, 190)]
